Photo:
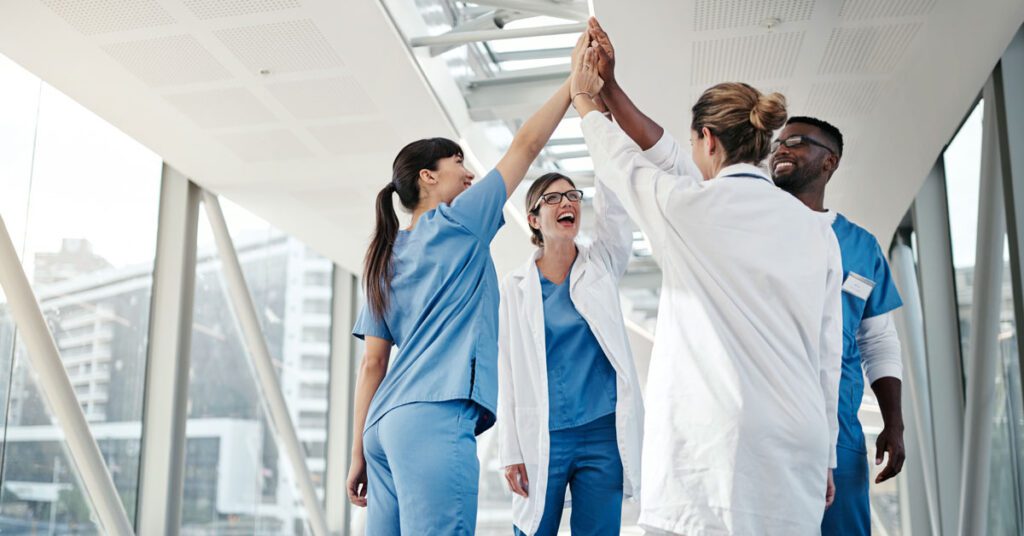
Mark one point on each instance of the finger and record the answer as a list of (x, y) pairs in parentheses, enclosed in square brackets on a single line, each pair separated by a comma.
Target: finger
[(880, 447), (602, 55), (514, 482)]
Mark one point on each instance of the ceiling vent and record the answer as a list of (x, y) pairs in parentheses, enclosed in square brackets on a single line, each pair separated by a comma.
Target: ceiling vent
[(92, 17), (168, 61), (280, 47), (867, 50), (724, 14), (748, 58), (878, 9), (217, 9)]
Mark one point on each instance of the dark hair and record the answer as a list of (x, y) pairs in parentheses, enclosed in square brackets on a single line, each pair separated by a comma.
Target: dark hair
[(405, 174), (533, 194), (741, 117), (825, 127)]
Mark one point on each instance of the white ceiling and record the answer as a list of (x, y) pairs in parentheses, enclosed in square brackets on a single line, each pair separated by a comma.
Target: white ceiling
[(307, 144), (896, 76)]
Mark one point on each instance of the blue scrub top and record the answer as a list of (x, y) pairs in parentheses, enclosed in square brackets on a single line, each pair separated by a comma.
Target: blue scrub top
[(581, 380), (861, 255), (443, 313)]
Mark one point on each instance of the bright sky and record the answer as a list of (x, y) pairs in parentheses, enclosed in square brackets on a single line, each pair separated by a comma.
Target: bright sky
[(87, 179), (963, 176)]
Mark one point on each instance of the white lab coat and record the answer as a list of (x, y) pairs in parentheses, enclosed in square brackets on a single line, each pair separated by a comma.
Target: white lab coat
[(744, 377), (522, 358)]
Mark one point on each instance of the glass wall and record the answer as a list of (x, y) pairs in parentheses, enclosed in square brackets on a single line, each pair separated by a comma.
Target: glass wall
[(236, 480), (962, 165), (83, 213)]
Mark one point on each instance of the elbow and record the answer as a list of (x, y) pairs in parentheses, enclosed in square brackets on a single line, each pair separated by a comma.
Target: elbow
[(374, 365), (528, 143)]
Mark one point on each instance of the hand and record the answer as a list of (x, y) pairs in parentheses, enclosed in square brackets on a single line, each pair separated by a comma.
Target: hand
[(890, 440), (582, 44), (830, 490), (584, 78), (605, 51), (515, 475), (357, 481), (601, 106)]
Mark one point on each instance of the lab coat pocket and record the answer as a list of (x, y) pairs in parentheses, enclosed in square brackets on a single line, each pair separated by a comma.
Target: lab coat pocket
[(528, 428)]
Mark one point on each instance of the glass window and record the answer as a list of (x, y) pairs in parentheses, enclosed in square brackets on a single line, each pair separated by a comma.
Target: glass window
[(962, 162), (87, 235), (237, 481)]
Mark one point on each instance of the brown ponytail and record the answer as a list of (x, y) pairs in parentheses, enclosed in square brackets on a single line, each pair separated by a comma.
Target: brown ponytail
[(405, 172)]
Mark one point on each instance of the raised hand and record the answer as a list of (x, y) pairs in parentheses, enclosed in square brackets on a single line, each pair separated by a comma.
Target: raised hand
[(605, 51), (581, 46), (585, 80)]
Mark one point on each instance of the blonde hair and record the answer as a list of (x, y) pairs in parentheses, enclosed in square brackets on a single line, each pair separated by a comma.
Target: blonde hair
[(742, 118)]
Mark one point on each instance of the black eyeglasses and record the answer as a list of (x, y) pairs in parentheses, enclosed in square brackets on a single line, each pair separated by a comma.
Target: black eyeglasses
[(555, 198), (796, 141)]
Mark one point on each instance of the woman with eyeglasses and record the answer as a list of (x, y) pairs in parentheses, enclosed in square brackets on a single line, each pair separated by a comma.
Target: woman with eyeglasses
[(569, 402), (743, 384)]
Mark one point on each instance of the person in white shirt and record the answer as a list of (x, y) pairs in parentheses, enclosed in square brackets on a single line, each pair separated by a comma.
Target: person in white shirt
[(741, 399), (570, 413)]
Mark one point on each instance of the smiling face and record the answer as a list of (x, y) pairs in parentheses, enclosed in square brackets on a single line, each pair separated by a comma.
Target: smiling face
[(449, 180), (559, 221), (796, 169)]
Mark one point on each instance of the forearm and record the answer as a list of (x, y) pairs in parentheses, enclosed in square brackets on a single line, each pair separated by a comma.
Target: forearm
[(642, 129), (370, 377), (888, 393), (532, 137)]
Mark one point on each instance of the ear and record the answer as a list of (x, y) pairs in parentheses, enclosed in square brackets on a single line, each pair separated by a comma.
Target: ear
[(830, 164), (709, 140), (532, 221), (427, 176)]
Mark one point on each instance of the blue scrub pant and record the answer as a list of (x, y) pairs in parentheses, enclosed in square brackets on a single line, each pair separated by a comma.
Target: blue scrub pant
[(422, 471), (586, 458), (850, 513)]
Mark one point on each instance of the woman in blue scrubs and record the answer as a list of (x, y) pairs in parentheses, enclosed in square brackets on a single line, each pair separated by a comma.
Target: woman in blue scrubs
[(432, 291)]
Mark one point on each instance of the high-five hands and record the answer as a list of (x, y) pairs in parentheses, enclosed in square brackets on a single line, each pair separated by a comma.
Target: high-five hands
[(605, 51)]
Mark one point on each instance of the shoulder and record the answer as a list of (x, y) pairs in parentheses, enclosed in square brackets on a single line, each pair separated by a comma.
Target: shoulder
[(851, 235)]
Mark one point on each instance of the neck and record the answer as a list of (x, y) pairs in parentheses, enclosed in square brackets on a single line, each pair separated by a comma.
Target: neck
[(556, 259), (425, 206), (813, 196)]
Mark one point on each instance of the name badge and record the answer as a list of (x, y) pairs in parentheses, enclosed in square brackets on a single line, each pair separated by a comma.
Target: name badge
[(858, 285)]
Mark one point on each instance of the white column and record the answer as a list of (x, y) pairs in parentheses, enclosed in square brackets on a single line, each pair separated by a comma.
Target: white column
[(340, 400), (56, 388), (983, 346), (942, 341), (921, 460), (270, 390), (162, 461)]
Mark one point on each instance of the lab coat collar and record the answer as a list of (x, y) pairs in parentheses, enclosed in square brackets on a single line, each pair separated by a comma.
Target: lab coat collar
[(528, 271), (745, 169)]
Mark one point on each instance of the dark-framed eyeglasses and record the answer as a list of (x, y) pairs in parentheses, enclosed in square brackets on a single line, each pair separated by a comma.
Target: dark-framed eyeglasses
[(796, 141), (554, 198)]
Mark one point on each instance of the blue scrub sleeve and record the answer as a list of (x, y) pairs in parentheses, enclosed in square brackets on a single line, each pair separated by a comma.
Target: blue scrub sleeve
[(479, 207), (369, 324), (884, 297)]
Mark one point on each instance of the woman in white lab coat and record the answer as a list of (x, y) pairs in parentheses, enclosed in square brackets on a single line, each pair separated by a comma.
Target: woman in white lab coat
[(570, 412), (743, 383)]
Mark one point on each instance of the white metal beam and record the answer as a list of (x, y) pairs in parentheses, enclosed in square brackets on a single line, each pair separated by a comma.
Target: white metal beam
[(340, 401), (162, 461), (910, 321), (540, 7), (462, 38), (270, 388), (56, 389), (983, 346), (537, 54), (942, 341)]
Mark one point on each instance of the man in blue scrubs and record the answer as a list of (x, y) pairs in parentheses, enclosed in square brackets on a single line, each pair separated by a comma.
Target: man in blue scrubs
[(803, 159)]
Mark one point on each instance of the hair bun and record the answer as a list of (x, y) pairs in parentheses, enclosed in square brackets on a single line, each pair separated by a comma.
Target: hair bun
[(769, 112)]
